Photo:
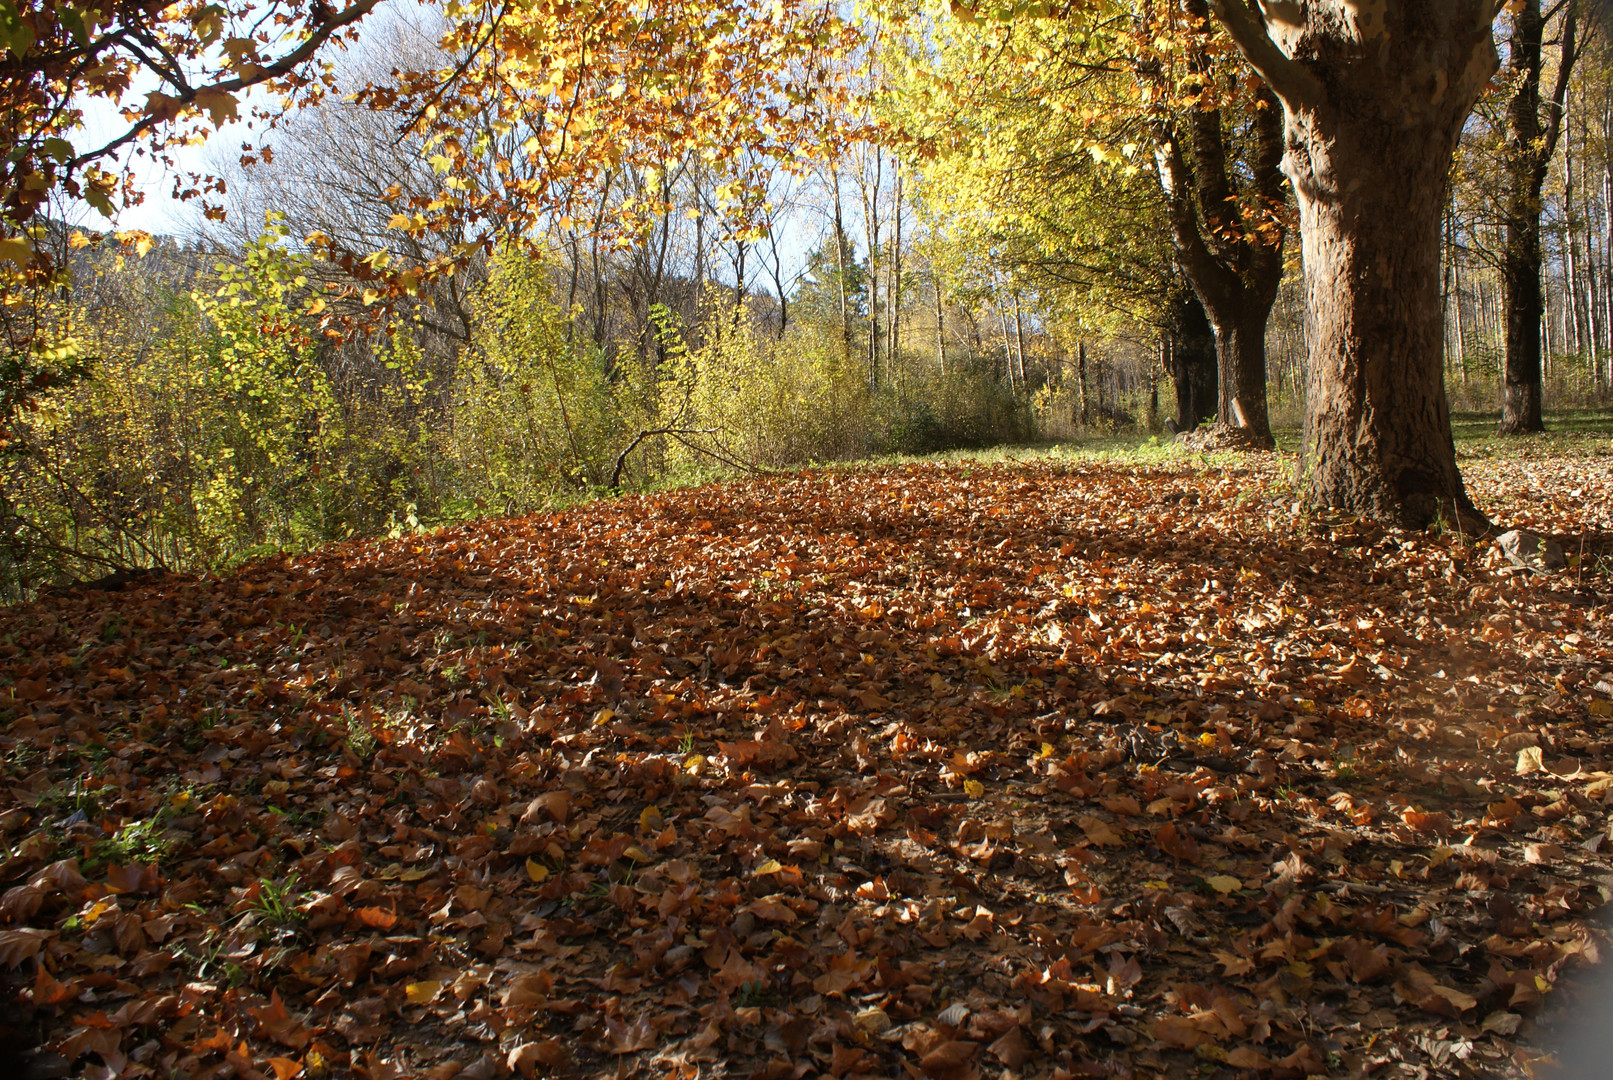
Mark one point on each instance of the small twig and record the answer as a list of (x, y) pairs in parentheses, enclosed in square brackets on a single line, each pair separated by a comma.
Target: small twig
[(726, 456)]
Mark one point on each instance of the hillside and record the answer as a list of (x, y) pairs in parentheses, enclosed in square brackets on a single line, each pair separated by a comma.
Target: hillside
[(1048, 769)]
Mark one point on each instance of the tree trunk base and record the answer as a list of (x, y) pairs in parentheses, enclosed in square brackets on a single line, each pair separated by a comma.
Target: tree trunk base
[(1520, 410), (1218, 437)]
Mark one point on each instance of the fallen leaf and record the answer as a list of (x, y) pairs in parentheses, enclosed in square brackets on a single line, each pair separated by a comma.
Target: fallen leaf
[(422, 993), (379, 918)]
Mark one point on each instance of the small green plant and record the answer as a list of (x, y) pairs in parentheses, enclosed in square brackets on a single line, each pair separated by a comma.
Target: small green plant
[(207, 955), (360, 737), (140, 841), (73, 797), (276, 902)]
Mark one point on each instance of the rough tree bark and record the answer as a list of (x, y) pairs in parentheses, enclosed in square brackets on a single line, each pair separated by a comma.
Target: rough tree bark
[(1374, 96), (1193, 361), (1530, 145), (1230, 248)]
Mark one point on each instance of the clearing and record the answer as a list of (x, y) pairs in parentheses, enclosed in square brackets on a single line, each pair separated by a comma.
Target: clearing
[(1045, 769)]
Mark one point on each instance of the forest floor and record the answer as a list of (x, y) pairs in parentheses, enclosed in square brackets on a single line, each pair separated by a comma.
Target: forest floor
[(1051, 768)]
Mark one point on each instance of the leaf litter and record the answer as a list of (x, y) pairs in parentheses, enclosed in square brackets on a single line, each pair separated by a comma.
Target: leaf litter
[(1042, 770)]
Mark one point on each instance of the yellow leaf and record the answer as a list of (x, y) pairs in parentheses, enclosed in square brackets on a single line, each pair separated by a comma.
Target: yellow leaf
[(771, 866), (650, 820), (1598, 707), (1529, 761), (78, 240), (219, 104), (16, 250), (638, 854), (162, 106), (421, 993), (536, 870), (1224, 883), (1046, 751), (974, 788), (209, 22)]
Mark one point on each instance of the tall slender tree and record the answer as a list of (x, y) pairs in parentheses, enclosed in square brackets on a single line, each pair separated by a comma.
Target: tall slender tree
[(1531, 142)]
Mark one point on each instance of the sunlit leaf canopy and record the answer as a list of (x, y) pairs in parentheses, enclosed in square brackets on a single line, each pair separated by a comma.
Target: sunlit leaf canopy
[(1039, 129), (171, 72), (542, 104)]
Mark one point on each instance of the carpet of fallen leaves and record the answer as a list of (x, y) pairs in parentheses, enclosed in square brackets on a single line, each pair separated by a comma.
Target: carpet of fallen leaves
[(1036, 770)]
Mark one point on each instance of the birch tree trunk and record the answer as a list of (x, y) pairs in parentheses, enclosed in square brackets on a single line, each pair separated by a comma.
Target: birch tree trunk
[(840, 272), (1019, 341), (1081, 379), (1576, 333), (894, 293), (1461, 325), (872, 232), (1607, 262)]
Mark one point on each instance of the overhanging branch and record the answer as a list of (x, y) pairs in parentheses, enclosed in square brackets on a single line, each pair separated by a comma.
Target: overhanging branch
[(1287, 78)]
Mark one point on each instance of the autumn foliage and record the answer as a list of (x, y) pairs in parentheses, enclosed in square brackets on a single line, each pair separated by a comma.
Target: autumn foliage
[(939, 771), (191, 61)]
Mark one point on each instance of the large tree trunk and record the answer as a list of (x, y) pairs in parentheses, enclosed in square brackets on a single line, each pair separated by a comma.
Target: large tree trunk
[(1193, 362), (1529, 149), (1374, 98), (1377, 425)]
